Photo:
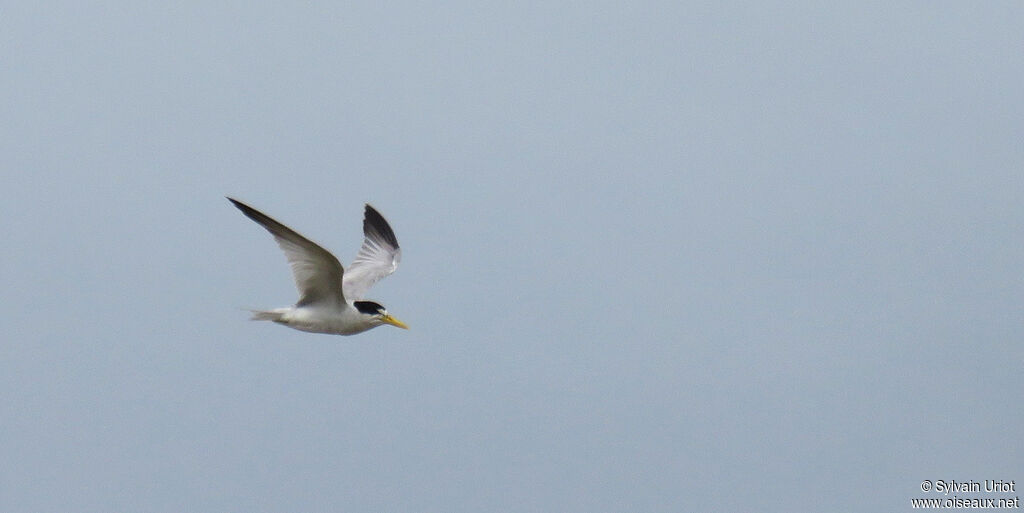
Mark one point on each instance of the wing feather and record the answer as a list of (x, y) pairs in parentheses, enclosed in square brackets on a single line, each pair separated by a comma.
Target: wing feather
[(318, 274), (378, 257)]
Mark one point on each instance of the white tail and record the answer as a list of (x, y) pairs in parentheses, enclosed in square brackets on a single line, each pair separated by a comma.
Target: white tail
[(273, 315)]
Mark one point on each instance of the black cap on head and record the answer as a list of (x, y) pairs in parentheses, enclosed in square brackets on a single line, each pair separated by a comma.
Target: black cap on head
[(368, 307)]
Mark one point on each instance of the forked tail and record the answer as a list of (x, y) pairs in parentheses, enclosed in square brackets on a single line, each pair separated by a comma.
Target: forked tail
[(272, 315)]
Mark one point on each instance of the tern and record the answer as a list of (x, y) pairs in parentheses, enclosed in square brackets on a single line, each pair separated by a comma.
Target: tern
[(331, 297)]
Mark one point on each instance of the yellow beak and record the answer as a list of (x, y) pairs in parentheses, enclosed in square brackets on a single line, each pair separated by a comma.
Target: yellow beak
[(387, 319)]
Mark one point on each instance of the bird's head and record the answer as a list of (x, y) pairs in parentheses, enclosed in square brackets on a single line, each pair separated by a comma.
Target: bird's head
[(377, 314)]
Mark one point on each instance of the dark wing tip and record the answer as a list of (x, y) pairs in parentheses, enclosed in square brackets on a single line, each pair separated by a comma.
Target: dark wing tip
[(374, 226), (275, 228), (238, 204), (250, 212)]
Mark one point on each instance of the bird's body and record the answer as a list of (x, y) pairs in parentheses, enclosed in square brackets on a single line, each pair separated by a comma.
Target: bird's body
[(318, 319), (330, 298)]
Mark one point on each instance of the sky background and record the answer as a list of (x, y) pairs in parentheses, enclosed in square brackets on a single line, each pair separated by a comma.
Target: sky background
[(658, 256)]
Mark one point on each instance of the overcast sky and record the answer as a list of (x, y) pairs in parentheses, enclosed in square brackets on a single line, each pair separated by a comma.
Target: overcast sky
[(656, 256)]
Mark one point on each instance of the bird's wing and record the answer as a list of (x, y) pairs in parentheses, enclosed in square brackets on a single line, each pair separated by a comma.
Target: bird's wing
[(378, 257), (317, 272)]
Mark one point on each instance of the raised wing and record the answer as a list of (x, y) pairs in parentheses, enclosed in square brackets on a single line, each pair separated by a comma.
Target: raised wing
[(377, 258), (318, 274)]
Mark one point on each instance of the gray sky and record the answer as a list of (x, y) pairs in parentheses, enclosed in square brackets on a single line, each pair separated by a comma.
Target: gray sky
[(657, 256)]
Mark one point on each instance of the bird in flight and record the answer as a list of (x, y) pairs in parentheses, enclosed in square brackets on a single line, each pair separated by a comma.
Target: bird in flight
[(331, 297)]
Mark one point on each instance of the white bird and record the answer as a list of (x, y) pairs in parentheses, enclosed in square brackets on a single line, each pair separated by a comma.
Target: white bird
[(331, 298)]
